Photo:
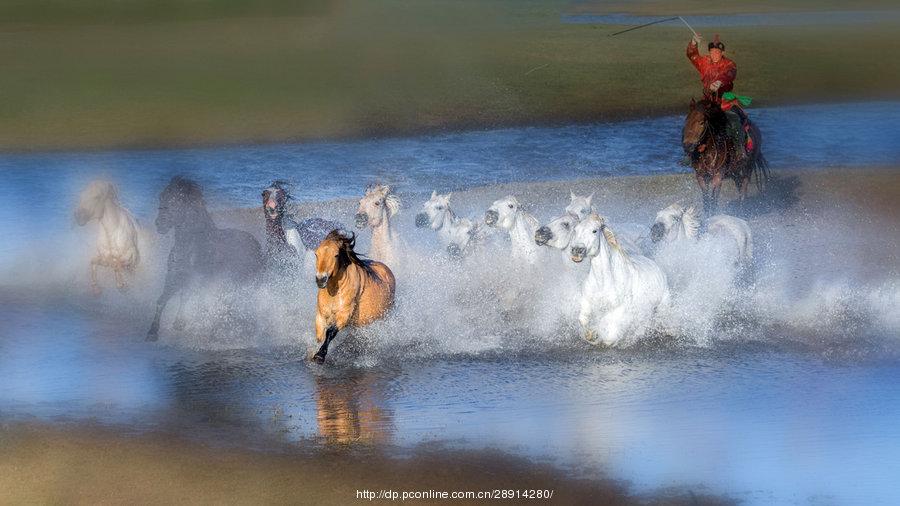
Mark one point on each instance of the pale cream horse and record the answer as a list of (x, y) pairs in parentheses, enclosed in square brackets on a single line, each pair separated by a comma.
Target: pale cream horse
[(376, 209), (117, 242)]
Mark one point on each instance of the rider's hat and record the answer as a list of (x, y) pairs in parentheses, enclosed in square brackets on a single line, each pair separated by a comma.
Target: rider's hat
[(716, 43)]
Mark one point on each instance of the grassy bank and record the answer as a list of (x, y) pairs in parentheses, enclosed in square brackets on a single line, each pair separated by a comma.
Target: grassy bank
[(362, 68)]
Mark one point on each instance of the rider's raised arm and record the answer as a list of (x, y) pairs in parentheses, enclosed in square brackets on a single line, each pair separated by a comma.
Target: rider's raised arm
[(693, 54)]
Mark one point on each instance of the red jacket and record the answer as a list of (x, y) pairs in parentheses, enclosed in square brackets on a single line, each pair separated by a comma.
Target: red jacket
[(725, 70)]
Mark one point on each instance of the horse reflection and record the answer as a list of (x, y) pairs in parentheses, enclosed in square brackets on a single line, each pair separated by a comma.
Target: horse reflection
[(349, 410)]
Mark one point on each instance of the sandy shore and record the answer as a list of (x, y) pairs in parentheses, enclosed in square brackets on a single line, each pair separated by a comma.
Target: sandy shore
[(43, 465)]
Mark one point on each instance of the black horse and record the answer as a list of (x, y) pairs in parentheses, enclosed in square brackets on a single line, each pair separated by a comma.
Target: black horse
[(200, 249)]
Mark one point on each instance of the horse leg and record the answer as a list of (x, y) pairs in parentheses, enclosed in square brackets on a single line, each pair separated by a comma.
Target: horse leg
[(153, 333), (584, 318), (704, 189), (613, 325), (178, 322), (95, 285), (119, 271), (319, 357), (744, 189), (716, 186), (174, 282)]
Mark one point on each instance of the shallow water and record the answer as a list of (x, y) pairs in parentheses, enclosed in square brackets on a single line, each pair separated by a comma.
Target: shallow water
[(754, 423), (778, 392)]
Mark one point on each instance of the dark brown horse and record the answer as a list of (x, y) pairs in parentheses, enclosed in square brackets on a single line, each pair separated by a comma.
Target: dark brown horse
[(714, 155), (200, 250)]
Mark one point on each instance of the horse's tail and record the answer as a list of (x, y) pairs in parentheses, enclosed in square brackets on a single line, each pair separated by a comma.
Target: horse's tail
[(758, 163), (760, 167)]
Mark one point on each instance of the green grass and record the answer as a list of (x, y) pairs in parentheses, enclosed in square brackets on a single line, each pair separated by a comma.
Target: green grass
[(362, 68)]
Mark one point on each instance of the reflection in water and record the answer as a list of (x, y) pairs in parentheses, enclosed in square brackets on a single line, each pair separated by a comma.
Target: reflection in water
[(349, 410)]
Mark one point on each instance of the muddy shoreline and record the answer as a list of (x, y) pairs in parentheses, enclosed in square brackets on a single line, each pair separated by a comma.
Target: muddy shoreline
[(95, 465)]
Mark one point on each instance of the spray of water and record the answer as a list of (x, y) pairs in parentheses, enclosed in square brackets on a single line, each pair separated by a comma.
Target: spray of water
[(483, 303)]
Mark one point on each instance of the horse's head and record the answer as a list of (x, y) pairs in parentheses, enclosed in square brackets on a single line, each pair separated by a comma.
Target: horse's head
[(178, 202), (590, 237), (462, 234), (333, 253), (434, 212), (377, 205), (558, 233), (695, 125), (92, 201), (502, 213), (675, 221), (274, 199), (580, 206)]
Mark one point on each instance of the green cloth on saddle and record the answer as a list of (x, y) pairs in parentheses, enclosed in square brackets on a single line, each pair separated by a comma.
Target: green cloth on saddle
[(742, 99)]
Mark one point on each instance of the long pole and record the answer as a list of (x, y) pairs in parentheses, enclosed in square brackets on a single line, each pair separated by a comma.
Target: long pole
[(689, 26), (658, 21), (645, 24)]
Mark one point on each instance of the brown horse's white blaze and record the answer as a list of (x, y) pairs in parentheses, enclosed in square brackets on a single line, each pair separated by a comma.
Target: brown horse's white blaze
[(352, 291)]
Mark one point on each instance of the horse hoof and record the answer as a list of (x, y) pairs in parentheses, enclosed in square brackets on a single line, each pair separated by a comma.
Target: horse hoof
[(319, 359), (591, 338)]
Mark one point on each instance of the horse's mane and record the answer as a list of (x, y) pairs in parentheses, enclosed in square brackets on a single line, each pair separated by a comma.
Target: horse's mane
[(283, 186), (346, 254), (109, 188), (610, 236), (189, 195), (391, 200), (687, 218), (690, 218), (714, 115), (183, 187)]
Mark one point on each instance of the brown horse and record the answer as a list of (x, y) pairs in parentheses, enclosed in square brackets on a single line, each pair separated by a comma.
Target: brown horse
[(352, 291), (714, 155)]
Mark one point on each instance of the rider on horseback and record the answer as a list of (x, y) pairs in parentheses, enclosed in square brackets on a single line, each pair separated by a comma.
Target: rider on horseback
[(717, 73)]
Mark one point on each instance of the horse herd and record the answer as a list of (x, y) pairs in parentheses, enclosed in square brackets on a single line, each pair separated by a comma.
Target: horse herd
[(620, 292)]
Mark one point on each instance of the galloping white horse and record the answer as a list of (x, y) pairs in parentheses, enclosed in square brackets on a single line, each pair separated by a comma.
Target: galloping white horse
[(622, 290), (464, 235), (458, 234), (558, 232), (679, 223), (437, 215), (117, 243), (376, 209), (507, 214)]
